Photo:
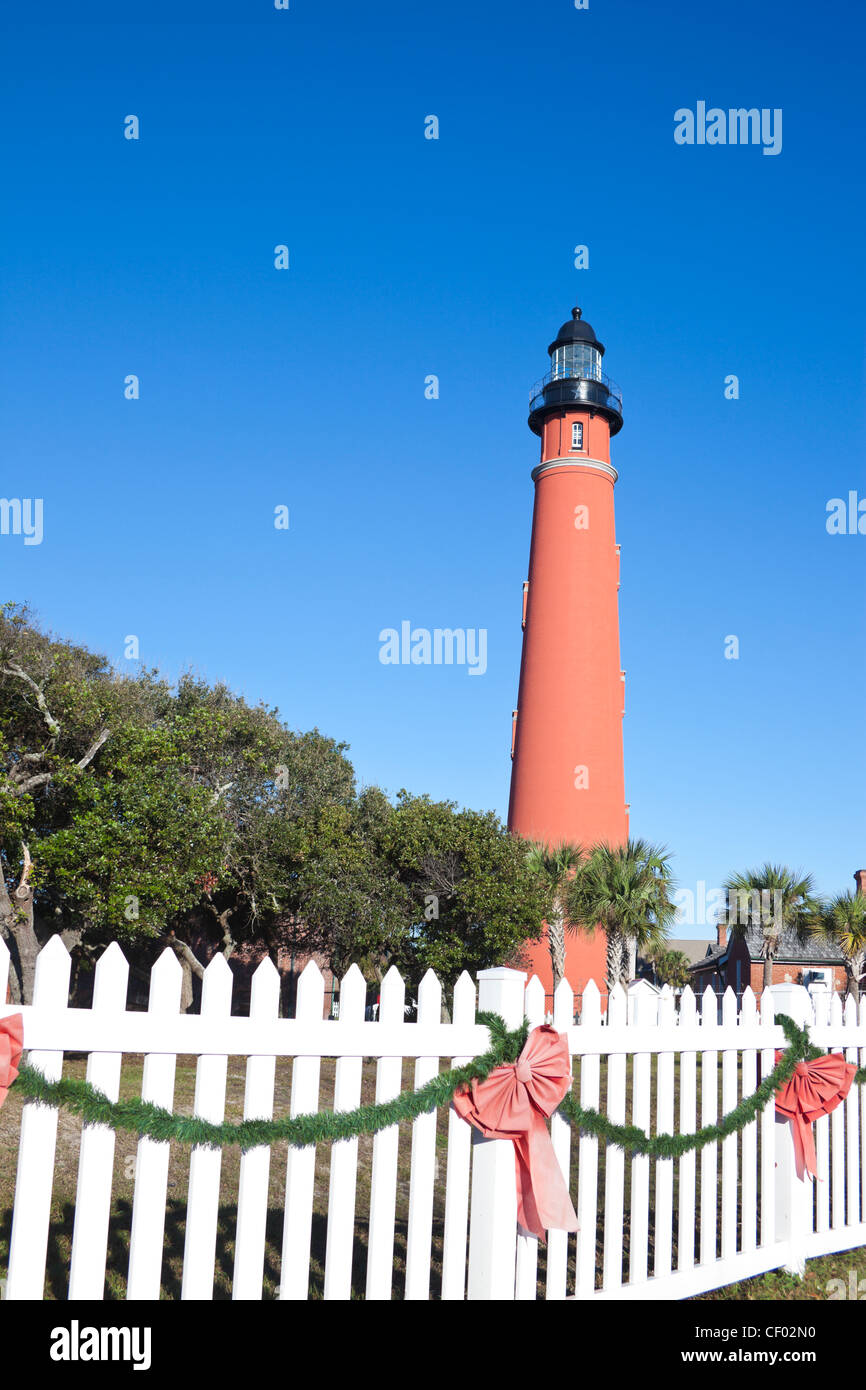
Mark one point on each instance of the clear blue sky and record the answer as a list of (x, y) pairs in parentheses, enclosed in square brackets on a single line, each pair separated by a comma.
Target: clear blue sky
[(408, 257)]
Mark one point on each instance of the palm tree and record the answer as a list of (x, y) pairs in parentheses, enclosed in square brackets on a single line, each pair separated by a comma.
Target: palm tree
[(555, 864), (843, 921), (775, 899), (626, 889), (671, 967)]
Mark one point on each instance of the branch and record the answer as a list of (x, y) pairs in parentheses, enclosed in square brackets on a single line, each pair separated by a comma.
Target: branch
[(38, 780), (93, 750), (13, 669), (184, 951)]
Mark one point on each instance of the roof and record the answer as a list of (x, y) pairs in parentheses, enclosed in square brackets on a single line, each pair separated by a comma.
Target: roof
[(793, 949), (692, 947), (576, 330)]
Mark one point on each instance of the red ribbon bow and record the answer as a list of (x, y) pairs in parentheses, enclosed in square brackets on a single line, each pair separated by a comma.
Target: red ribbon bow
[(513, 1103), (11, 1047), (815, 1089)]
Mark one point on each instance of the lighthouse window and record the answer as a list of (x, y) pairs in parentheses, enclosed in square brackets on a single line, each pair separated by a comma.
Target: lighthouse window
[(577, 360), (577, 435)]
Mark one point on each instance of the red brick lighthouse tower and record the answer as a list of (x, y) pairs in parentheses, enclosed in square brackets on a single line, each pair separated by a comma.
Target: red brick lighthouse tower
[(567, 780)]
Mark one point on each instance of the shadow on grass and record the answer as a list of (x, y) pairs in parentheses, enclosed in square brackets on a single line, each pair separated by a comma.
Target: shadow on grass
[(59, 1252)]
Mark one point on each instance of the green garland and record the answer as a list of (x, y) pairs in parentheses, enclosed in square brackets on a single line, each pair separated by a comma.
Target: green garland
[(634, 1140), (147, 1120), (144, 1119)]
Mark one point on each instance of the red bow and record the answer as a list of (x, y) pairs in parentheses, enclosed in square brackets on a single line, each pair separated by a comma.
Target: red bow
[(11, 1047), (815, 1089), (513, 1103)]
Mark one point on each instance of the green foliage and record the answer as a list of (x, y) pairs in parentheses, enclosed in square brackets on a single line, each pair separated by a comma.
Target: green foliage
[(139, 802), (671, 967), (626, 889), (842, 921), (788, 904), (139, 839), (474, 901)]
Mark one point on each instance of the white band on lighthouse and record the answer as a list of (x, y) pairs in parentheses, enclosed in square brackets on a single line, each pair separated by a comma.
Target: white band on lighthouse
[(598, 464)]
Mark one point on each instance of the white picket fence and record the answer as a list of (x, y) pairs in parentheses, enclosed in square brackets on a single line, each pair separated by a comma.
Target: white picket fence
[(648, 1228)]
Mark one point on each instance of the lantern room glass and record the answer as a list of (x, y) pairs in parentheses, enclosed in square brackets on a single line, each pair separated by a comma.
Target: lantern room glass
[(577, 360)]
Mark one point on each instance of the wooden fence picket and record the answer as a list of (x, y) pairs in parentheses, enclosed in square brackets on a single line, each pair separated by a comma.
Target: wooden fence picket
[(768, 1133), (709, 1116), (383, 1182), (526, 1284), (645, 1016), (749, 1151), (587, 1163), (152, 1157), (687, 1162), (821, 1006), (423, 1162), (301, 1163), (202, 1207), (664, 1167), (730, 1098), (560, 1135), (344, 1153), (614, 1171), (457, 1174), (255, 1168), (852, 1126), (837, 1138), (31, 1212), (96, 1154)]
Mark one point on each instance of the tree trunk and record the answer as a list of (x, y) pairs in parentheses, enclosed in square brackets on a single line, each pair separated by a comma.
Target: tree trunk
[(19, 932), (615, 957), (854, 967), (768, 970), (556, 942), (190, 965)]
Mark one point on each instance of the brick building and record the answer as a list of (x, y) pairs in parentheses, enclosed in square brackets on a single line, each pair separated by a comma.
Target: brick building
[(736, 961)]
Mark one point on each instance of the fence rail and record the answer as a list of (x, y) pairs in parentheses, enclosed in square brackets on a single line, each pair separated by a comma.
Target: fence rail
[(426, 1210)]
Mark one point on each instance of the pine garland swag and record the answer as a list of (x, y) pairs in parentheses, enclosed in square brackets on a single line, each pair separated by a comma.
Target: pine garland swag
[(151, 1121)]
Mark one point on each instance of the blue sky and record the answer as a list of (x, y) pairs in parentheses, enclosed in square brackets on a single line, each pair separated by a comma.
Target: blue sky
[(408, 256)]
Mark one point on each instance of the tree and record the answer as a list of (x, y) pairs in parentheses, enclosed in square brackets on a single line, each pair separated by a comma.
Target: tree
[(555, 865), (842, 921), (59, 706), (133, 810), (475, 902), (149, 813), (772, 900), (671, 967), (341, 896), (625, 889)]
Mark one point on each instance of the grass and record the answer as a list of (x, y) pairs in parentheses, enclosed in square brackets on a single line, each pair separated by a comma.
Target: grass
[(777, 1285)]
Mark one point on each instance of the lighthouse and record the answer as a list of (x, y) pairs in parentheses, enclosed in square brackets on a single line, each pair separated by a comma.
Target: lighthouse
[(567, 780)]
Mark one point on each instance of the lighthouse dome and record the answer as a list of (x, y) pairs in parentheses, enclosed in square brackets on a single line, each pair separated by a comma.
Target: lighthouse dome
[(575, 377), (576, 330)]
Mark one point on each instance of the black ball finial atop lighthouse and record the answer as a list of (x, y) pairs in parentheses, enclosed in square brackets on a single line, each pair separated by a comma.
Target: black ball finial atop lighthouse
[(575, 377)]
